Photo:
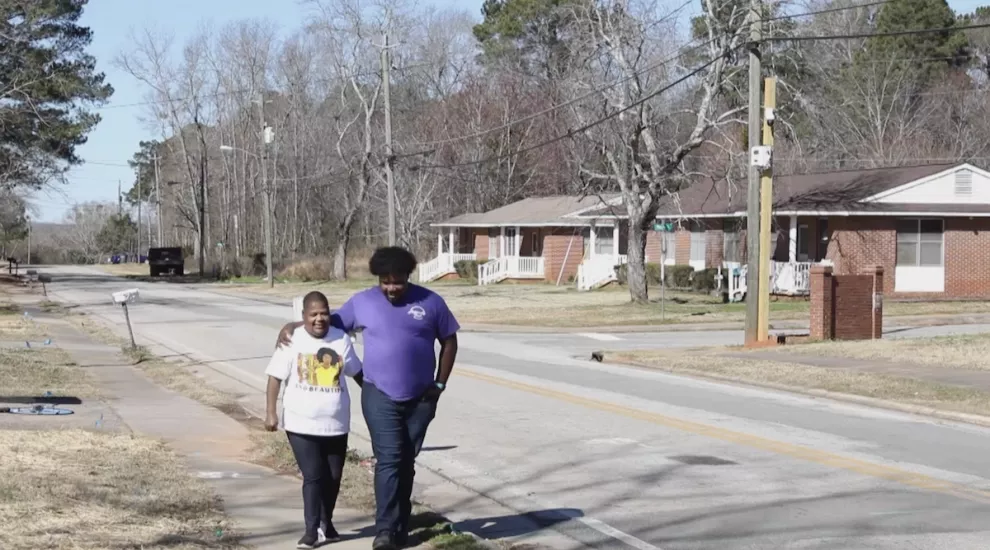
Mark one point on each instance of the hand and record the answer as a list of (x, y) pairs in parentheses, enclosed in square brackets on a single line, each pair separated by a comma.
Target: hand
[(432, 394), (285, 335), (271, 422)]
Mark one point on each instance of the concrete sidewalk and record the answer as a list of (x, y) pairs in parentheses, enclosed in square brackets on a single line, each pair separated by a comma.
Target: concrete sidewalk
[(265, 507)]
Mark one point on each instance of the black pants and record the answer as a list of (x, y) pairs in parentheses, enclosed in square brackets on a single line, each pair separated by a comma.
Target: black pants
[(397, 430), (321, 461)]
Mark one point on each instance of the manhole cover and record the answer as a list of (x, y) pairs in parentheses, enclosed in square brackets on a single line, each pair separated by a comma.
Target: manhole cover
[(702, 460)]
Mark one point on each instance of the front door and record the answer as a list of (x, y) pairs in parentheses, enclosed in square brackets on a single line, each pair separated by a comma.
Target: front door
[(511, 240)]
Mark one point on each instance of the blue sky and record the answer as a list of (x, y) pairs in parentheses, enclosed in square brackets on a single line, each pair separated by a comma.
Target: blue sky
[(116, 138)]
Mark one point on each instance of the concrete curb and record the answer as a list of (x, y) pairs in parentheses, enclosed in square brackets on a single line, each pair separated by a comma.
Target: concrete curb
[(952, 416)]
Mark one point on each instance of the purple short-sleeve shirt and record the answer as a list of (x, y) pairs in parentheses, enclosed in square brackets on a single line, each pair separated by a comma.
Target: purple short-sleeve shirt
[(399, 338)]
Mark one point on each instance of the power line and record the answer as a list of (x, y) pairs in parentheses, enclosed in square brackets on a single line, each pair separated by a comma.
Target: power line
[(829, 10), (854, 36)]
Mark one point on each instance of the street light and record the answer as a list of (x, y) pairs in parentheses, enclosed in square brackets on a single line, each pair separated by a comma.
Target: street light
[(266, 192)]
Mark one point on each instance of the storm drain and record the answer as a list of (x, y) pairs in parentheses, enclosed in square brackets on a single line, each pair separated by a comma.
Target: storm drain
[(701, 460)]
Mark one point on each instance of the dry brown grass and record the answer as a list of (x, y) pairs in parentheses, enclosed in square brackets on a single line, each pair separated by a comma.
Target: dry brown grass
[(892, 388), (32, 372), (970, 351), (564, 307), (89, 491), (123, 270)]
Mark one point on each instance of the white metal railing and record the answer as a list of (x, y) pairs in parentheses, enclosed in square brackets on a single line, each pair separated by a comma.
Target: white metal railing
[(599, 270), (791, 278), (511, 267), (442, 265)]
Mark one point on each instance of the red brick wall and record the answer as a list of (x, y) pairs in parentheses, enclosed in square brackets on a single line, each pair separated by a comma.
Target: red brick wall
[(653, 244), (682, 246), (967, 257), (714, 243), (843, 306), (555, 243), (480, 243), (859, 242)]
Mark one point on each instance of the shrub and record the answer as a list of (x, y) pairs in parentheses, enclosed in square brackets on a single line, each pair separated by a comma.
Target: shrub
[(679, 276), (704, 280), (467, 269), (652, 274)]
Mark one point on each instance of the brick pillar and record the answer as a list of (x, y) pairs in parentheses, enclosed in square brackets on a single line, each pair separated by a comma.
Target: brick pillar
[(822, 299), (877, 273)]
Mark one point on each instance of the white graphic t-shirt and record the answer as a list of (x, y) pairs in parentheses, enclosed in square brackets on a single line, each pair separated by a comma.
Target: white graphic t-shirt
[(315, 401)]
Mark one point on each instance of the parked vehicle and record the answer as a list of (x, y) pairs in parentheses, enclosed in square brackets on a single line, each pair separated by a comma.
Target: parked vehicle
[(163, 261)]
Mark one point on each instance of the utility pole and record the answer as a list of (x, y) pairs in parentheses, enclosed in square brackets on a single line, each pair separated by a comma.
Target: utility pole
[(158, 199), (753, 281), (140, 173), (120, 200), (266, 192), (766, 210), (386, 96), (29, 240)]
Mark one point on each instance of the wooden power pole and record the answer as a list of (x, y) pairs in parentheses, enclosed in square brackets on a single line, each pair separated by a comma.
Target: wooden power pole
[(766, 211), (753, 281), (387, 101)]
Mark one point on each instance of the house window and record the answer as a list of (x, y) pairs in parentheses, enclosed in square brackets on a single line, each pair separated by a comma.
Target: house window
[(603, 241), (919, 243), (669, 245), (730, 243), (511, 241), (697, 244)]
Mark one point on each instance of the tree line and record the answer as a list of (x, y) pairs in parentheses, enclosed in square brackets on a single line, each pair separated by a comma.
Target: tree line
[(537, 97)]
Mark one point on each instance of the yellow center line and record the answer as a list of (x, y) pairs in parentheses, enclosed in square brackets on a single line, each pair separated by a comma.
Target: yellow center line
[(871, 469)]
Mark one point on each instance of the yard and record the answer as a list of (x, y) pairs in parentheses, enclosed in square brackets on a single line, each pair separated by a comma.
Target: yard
[(65, 483), (923, 372), (564, 307)]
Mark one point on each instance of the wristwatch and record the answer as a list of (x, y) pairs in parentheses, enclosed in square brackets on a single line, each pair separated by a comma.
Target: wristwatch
[(440, 385)]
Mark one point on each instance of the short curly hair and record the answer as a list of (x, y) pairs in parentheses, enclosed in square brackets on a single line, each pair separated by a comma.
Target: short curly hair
[(392, 260)]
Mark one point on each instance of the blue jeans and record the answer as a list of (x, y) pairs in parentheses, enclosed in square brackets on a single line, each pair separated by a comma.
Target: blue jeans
[(397, 430)]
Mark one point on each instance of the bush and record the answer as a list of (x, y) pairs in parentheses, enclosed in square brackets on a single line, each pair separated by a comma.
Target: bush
[(467, 269), (704, 280), (679, 276), (652, 274)]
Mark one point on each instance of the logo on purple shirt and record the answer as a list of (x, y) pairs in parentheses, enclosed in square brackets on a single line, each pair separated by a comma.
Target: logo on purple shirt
[(399, 338)]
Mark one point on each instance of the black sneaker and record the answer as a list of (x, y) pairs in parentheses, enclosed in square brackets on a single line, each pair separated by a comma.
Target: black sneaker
[(402, 539), (384, 541), (328, 534), (309, 540)]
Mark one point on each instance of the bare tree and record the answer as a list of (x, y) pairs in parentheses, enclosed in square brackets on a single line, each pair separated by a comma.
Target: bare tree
[(644, 126)]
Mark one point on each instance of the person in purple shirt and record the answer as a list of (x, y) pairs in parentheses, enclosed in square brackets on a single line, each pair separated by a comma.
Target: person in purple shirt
[(400, 323)]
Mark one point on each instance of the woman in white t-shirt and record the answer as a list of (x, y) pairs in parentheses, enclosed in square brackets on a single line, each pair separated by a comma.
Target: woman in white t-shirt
[(316, 410)]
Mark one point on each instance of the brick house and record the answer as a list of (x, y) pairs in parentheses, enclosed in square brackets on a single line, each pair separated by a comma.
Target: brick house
[(927, 226)]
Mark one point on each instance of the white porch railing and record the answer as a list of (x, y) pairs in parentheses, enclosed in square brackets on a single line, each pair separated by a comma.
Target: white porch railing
[(790, 278), (442, 265), (511, 267), (735, 274), (786, 278), (598, 271)]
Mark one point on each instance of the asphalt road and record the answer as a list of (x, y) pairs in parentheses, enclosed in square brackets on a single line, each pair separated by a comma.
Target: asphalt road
[(627, 458)]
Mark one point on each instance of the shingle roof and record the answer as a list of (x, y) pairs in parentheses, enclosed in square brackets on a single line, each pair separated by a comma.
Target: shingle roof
[(531, 211), (824, 191)]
